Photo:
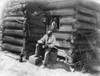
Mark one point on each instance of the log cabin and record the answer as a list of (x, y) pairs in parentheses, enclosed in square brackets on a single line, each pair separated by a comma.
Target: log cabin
[(77, 21)]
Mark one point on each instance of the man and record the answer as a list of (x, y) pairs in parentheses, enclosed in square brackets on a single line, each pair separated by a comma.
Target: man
[(53, 24), (47, 42)]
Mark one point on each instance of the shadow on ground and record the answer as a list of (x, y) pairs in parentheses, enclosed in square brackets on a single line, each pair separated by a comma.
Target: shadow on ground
[(11, 67)]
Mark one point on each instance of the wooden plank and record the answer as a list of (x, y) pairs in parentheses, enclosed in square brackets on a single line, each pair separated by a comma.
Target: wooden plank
[(37, 31), (15, 8), (93, 42), (60, 39), (67, 23), (13, 25), (82, 46), (13, 13), (34, 38), (60, 35), (31, 48), (37, 26), (83, 50), (63, 48), (80, 42), (85, 31), (66, 28), (62, 12), (11, 47), (14, 3), (33, 17), (77, 41), (65, 44), (60, 4), (14, 19), (36, 22), (82, 25), (13, 33), (12, 40), (84, 10), (67, 20), (86, 19), (32, 45), (69, 32), (84, 38)]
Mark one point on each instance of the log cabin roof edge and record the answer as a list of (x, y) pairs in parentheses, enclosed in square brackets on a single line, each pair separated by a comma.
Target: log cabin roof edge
[(57, 4)]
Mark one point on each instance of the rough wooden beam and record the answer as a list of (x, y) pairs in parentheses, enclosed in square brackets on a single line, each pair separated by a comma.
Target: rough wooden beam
[(84, 10), (60, 35), (37, 31), (62, 12), (60, 4), (13, 33), (67, 20), (11, 47), (83, 25), (86, 19), (12, 25), (14, 19), (13, 40)]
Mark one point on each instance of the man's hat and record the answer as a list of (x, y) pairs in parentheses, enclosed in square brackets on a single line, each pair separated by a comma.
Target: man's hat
[(50, 31)]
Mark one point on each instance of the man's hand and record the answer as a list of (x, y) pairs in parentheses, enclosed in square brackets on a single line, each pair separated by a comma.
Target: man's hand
[(50, 46), (39, 42), (45, 46)]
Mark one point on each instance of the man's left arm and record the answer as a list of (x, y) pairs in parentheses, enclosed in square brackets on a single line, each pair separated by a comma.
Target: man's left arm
[(54, 43)]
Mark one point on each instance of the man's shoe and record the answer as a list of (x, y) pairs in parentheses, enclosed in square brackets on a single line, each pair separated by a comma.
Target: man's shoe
[(72, 69), (43, 66), (25, 60), (20, 60)]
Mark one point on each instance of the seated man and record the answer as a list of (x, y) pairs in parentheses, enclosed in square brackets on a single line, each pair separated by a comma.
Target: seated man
[(48, 41)]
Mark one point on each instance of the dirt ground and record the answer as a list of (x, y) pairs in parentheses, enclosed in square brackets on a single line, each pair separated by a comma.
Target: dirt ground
[(11, 67)]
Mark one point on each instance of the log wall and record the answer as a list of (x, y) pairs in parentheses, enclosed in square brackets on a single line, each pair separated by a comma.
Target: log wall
[(77, 24), (21, 26), (12, 33), (76, 32)]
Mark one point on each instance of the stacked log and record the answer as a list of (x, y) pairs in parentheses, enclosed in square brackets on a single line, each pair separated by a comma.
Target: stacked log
[(12, 34), (77, 32), (0, 35), (13, 24), (36, 26), (21, 26), (87, 27)]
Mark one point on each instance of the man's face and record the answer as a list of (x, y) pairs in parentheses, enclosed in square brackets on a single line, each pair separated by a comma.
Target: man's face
[(49, 33)]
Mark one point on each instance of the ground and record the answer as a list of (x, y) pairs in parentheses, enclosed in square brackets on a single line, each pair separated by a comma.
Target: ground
[(11, 67)]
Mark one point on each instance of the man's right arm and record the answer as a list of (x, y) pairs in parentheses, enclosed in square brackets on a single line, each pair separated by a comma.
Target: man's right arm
[(42, 40)]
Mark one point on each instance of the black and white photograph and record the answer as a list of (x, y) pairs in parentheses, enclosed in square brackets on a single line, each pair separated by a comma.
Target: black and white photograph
[(50, 38)]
